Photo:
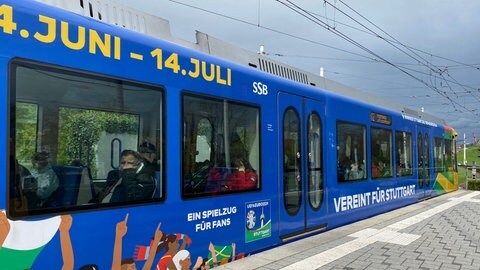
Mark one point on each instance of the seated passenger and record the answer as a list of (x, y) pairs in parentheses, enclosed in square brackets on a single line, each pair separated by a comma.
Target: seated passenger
[(356, 172), (380, 169), (134, 182), (376, 169), (44, 181), (343, 168), (149, 155), (385, 168), (216, 180), (244, 177), (105, 194)]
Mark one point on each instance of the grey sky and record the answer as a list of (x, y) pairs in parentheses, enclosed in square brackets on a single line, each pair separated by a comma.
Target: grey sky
[(434, 30)]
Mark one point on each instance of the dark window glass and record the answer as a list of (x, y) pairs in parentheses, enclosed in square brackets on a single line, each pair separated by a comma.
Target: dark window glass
[(381, 153), (404, 159), (67, 135), (315, 162), (221, 147), (351, 154), (292, 169), (439, 155)]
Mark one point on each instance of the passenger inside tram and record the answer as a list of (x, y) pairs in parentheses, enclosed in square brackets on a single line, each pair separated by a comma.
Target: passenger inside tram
[(40, 187), (133, 181)]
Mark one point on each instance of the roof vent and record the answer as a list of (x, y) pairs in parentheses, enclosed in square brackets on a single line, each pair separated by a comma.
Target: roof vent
[(282, 71)]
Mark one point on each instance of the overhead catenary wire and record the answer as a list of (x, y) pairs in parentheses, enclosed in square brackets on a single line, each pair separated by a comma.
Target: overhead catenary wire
[(313, 41), (403, 65), (377, 58), (459, 64), (428, 64), (325, 25), (271, 29), (434, 71)]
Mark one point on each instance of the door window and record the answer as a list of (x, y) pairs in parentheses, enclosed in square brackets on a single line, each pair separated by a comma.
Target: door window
[(421, 162), (426, 148), (403, 142), (291, 161), (315, 176)]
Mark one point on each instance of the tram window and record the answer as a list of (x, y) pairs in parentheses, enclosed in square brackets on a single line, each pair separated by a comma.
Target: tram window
[(421, 160), (221, 147), (292, 168), (439, 155), (67, 133), (404, 160), (381, 152), (351, 155), (426, 160), (449, 155), (315, 170)]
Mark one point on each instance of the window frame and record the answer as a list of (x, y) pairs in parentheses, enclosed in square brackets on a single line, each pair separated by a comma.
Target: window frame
[(391, 165), (365, 170), (210, 98), (439, 167), (289, 179), (13, 66), (311, 171), (411, 151), (450, 163)]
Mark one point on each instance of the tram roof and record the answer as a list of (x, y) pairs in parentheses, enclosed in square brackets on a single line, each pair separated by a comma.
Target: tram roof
[(114, 13)]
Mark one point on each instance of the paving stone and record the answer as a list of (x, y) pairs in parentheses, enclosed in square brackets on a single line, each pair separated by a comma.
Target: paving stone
[(431, 265)]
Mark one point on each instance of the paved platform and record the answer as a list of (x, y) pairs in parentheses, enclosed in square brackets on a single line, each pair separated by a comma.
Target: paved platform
[(440, 233)]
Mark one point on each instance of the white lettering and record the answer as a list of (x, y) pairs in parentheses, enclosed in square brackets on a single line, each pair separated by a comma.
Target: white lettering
[(349, 202), (354, 201), (260, 89), (202, 216)]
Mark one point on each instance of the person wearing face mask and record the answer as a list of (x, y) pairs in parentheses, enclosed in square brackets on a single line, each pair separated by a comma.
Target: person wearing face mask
[(46, 181), (133, 181)]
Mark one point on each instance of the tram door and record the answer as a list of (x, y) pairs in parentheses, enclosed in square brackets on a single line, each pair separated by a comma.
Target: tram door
[(424, 183), (301, 165)]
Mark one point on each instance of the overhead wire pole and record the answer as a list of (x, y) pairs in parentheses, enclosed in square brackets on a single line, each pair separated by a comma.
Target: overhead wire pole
[(464, 149)]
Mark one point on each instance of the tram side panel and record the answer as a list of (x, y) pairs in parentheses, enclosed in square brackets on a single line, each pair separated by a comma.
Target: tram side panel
[(195, 206), (372, 152)]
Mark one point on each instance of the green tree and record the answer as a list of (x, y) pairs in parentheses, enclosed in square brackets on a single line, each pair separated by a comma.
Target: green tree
[(79, 134), (25, 131)]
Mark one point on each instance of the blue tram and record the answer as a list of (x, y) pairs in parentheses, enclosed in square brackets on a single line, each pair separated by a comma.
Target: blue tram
[(234, 157)]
